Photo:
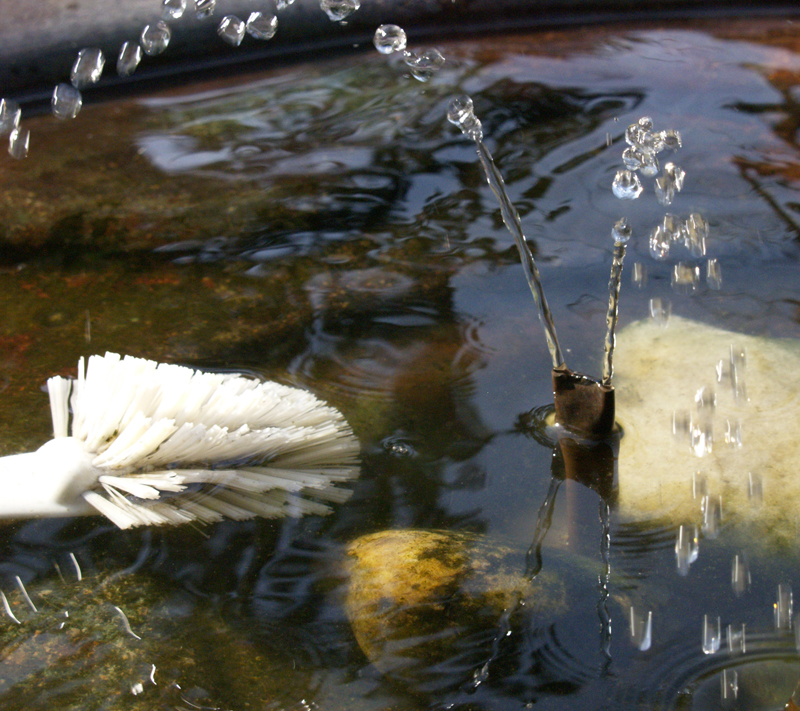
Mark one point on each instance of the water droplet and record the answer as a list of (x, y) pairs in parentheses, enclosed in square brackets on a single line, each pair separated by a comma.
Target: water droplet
[(730, 684), (713, 274), (646, 123), (338, 10), (173, 9), (641, 629), (740, 575), (736, 639), (711, 508), (676, 174), (87, 68), (687, 548), (130, 54), (390, 38), (649, 165), (705, 398), (66, 101), (283, 4), (425, 65), (712, 635), (18, 142), (699, 485), (660, 311), (231, 29), (633, 158), (10, 115), (155, 38), (261, 26), (634, 135), (737, 361), (782, 608), (621, 232), (681, 424), (733, 433), (671, 139), (204, 8), (755, 490), (626, 185), (460, 112), (695, 232), (685, 277), (660, 241), (639, 274)]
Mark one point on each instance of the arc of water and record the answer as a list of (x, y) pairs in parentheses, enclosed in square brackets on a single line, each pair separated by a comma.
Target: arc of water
[(461, 113)]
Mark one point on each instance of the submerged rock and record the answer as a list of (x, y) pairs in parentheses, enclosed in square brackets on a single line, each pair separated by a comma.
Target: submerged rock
[(127, 642), (426, 606), (711, 426)]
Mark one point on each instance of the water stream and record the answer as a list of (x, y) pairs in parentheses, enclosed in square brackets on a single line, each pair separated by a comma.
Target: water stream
[(324, 226)]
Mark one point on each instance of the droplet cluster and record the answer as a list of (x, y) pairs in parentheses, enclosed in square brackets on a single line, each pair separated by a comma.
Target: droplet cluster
[(390, 39)]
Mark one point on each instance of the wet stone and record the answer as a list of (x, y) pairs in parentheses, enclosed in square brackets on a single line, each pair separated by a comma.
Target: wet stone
[(626, 185), (66, 101), (390, 38), (231, 29), (204, 8), (173, 9), (19, 142), (87, 68), (417, 599), (338, 10), (261, 26), (10, 114), (155, 38), (130, 54)]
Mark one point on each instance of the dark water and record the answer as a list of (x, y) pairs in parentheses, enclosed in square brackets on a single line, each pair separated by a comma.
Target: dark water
[(326, 227)]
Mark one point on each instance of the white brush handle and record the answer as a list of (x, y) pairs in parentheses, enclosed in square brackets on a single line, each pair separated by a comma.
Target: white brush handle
[(49, 482)]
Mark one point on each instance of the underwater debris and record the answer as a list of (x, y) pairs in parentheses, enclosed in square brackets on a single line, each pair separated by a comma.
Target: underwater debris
[(156, 443)]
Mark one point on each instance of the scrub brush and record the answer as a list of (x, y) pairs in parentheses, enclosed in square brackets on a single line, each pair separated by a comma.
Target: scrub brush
[(155, 444)]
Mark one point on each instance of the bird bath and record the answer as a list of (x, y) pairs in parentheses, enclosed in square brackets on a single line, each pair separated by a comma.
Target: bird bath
[(322, 225)]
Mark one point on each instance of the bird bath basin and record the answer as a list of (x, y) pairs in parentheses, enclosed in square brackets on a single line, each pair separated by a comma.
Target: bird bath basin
[(321, 224)]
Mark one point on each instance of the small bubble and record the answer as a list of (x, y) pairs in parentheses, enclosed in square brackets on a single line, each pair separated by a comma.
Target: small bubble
[(390, 38), (10, 115), (621, 232), (155, 38), (66, 101), (130, 54), (87, 68), (261, 26), (626, 185), (204, 8), (713, 274), (338, 10), (231, 29), (173, 9), (18, 142)]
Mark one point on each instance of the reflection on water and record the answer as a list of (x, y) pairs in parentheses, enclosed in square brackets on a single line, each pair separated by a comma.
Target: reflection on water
[(325, 226)]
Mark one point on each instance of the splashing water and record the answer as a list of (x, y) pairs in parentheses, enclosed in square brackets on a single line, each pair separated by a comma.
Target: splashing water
[(338, 10), (621, 234), (626, 185), (460, 113)]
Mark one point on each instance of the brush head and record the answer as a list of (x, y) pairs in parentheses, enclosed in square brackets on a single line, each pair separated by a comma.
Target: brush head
[(155, 443)]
